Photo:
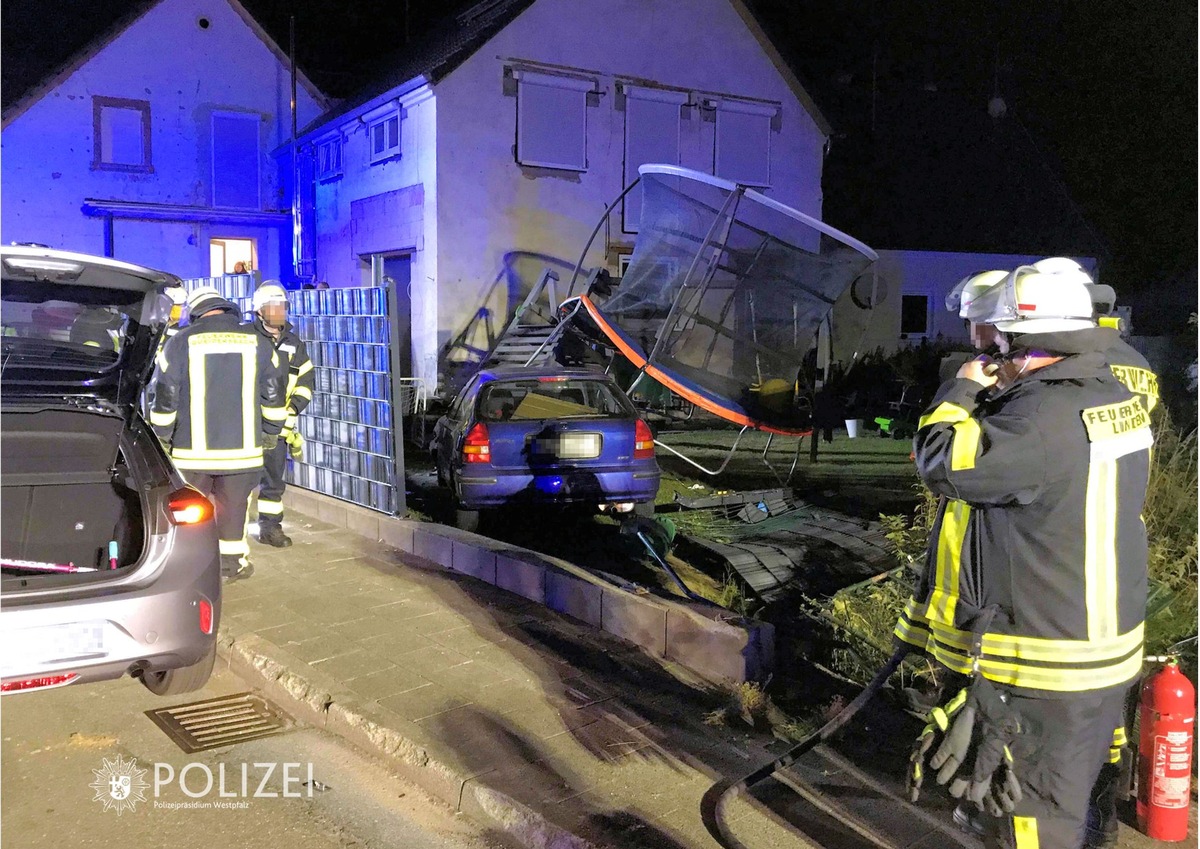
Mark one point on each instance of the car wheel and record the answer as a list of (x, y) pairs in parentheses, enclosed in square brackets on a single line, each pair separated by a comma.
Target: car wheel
[(645, 509), (466, 520), (173, 682)]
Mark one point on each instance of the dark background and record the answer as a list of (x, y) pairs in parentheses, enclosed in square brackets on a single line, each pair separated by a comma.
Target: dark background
[(1095, 153)]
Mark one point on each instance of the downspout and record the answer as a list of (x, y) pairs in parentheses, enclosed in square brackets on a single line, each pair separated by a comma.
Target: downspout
[(296, 222), (108, 236)]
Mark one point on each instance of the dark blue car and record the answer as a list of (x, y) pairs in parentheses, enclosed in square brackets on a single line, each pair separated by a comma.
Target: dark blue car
[(544, 436)]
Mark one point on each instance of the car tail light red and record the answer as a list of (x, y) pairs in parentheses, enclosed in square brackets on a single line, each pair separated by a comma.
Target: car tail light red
[(189, 507), (206, 616), (39, 683), (643, 441), (477, 447)]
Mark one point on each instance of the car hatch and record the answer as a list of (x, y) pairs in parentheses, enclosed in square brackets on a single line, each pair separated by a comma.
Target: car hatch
[(79, 326)]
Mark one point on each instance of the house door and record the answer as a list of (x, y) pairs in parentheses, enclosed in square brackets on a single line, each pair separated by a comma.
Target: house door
[(394, 272)]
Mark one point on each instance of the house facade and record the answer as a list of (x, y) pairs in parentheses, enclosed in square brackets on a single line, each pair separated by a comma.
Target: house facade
[(910, 302), (153, 145), (458, 184)]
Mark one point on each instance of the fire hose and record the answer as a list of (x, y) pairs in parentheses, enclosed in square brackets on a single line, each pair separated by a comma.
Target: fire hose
[(728, 789)]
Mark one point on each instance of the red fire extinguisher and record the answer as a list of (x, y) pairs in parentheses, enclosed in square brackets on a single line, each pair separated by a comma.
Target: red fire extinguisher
[(1166, 717)]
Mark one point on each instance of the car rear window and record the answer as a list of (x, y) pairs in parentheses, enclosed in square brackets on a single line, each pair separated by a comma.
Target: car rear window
[(550, 398), (94, 320)]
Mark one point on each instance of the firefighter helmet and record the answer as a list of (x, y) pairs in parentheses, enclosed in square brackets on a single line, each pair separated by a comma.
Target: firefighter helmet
[(269, 293), (205, 299), (1030, 300), (965, 295)]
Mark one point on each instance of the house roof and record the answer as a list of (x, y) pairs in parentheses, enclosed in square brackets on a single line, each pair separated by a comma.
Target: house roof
[(456, 38), (38, 69)]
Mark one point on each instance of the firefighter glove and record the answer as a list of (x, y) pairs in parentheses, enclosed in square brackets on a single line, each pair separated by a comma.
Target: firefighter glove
[(991, 782), (295, 443), (936, 732), (269, 441)]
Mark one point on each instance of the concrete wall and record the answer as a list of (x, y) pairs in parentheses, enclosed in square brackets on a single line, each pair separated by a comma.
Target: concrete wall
[(930, 273), (186, 73), (500, 223), (389, 206)]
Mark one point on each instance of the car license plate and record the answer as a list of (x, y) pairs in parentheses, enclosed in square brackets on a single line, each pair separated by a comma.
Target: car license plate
[(571, 446), (31, 647)]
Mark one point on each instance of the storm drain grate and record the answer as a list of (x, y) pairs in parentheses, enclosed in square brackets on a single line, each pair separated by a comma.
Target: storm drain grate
[(214, 723)]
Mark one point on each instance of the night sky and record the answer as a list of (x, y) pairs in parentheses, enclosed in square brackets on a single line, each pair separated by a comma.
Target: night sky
[(1096, 154)]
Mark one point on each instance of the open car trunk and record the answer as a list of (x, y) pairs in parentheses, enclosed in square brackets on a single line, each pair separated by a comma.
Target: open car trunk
[(67, 492)]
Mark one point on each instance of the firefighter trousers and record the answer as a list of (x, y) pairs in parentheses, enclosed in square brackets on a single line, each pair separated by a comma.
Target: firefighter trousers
[(270, 495), (230, 495), (1058, 760)]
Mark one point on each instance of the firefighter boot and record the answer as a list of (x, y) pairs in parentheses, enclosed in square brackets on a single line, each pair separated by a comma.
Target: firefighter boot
[(272, 534), (233, 568)]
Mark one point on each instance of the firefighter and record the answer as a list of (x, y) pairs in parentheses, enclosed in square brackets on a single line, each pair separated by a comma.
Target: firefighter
[(1130, 367), (271, 307), (1034, 586), (217, 403)]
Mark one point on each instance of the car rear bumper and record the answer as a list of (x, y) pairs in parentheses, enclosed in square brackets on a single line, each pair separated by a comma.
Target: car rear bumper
[(496, 488), (148, 622)]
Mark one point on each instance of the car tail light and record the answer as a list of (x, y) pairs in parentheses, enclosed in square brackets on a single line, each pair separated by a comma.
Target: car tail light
[(39, 683), (643, 441), (206, 616), (477, 447), (189, 507)]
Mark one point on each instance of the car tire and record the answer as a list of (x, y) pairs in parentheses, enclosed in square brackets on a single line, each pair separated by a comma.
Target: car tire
[(645, 509), (185, 679), (466, 520)]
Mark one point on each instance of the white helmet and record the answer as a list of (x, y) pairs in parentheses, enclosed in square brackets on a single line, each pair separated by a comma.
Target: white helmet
[(204, 299), (964, 296), (269, 293), (1104, 298), (177, 294), (1030, 300)]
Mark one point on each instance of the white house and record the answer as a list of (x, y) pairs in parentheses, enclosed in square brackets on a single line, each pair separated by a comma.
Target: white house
[(153, 145), (494, 150), (910, 302)]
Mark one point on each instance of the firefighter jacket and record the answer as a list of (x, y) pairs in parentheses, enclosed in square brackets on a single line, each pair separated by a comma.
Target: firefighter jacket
[(217, 388), (293, 356), (1037, 558), (1130, 367)]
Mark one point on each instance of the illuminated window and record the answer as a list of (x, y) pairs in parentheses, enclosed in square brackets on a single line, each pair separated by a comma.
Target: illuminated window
[(552, 120), (329, 159), (121, 134), (743, 145), (652, 120), (384, 135), (231, 256)]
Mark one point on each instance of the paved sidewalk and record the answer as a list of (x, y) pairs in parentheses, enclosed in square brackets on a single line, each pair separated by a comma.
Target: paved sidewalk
[(534, 725)]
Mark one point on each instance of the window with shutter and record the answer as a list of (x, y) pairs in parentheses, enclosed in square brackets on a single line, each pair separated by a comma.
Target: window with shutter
[(743, 142), (552, 120), (121, 134), (652, 121)]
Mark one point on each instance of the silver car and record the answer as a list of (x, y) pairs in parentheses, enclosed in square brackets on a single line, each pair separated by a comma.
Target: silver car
[(110, 563)]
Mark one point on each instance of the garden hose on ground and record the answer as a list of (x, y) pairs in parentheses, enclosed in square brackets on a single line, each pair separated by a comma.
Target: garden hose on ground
[(715, 796)]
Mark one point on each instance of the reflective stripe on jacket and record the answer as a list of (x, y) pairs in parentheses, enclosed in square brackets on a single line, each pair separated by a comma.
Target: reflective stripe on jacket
[(293, 355), (1038, 538), (217, 388)]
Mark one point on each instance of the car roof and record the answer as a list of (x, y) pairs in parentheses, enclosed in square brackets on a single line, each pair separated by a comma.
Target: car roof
[(534, 372), (69, 267)]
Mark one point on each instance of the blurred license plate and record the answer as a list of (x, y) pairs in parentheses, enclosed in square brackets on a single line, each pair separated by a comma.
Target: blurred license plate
[(51, 644), (571, 446)]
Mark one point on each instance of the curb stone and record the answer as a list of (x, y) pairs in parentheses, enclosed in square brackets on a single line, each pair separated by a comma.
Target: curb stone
[(314, 698), (704, 638)]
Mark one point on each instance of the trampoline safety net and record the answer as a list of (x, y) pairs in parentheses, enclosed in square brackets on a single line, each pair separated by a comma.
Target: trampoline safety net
[(724, 295)]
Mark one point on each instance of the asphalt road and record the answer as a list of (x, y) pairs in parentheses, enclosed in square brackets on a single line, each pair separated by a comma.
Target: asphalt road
[(53, 742)]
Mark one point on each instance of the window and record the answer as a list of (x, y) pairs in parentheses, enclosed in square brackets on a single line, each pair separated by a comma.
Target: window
[(743, 148), (552, 120), (235, 182), (651, 135), (914, 315), (329, 159), (385, 137), (121, 134), (226, 255)]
